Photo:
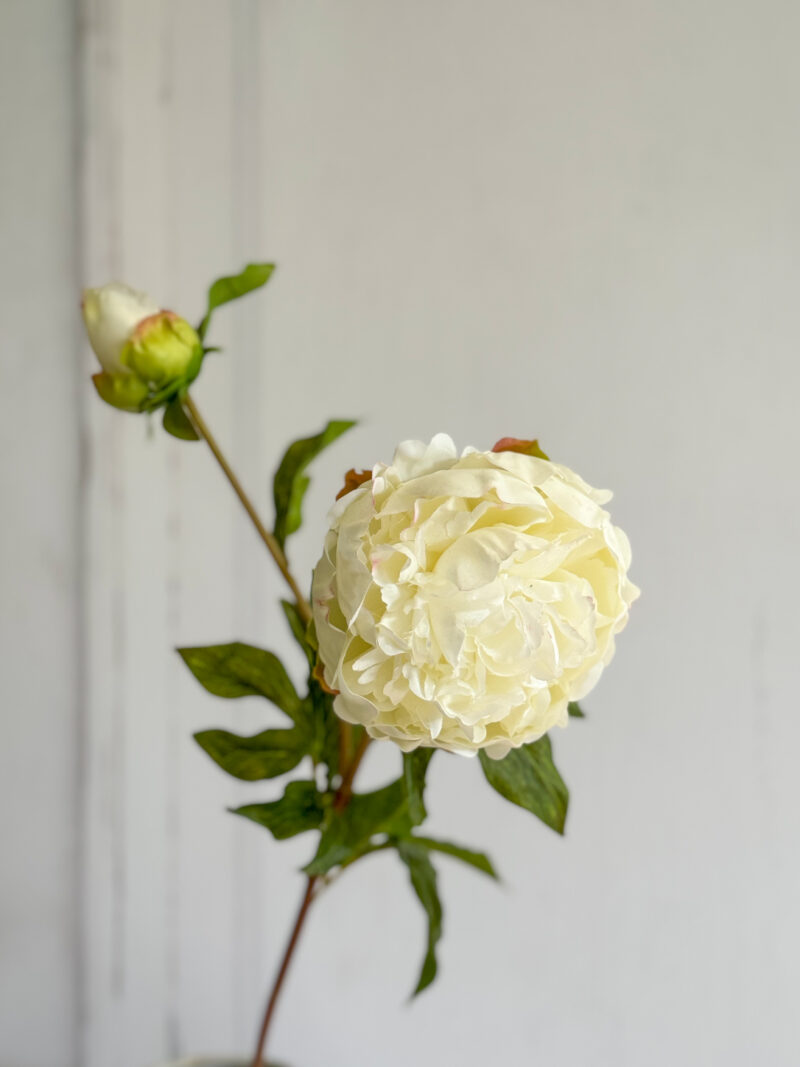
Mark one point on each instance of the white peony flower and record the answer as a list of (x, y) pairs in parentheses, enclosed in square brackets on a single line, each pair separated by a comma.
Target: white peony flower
[(111, 313), (462, 601)]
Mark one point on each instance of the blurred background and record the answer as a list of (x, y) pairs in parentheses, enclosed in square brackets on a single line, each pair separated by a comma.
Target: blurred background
[(569, 220)]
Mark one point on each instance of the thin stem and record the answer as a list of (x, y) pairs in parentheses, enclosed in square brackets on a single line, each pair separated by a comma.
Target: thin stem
[(340, 802), (268, 538), (294, 937), (345, 744), (345, 790)]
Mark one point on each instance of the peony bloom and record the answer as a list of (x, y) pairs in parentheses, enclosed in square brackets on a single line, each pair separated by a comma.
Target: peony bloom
[(462, 601), (141, 348)]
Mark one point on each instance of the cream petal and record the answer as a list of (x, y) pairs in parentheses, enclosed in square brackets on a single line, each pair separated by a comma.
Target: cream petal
[(461, 602)]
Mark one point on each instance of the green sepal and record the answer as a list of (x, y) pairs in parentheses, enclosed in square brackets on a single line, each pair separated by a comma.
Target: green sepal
[(177, 422), (125, 392), (301, 808), (575, 711), (240, 670), (290, 483), (423, 881), (195, 364), (327, 727), (265, 755), (528, 777), (299, 631), (233, 286)]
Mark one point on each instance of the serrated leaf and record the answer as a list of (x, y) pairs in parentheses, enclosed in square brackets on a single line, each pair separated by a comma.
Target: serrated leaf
[(479, 860), (300, 809), (349, 833), (290, 483), (415, 766), (177, 422), (575, 710), (240, 670), (233, 286), (265, 755), (423, 880), (528, 777)]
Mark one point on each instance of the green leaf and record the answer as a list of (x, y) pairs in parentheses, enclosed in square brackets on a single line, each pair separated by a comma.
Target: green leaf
[(330, 727), (266, 755), (231, 287), (423, 880), (290, 482), (349, 833), (575, 710), (239, 670), (300, 808), (528, 777), (177, 422), (415, 766), (479, 860), (299, 630)]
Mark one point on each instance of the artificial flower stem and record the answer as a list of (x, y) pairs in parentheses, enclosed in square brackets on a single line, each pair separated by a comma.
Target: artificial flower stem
[(345, 790), (268, 538), (294, 937), (340, 802)]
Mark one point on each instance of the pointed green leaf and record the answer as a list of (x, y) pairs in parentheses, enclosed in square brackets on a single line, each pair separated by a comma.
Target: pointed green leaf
[(415, 766), (239, 670), (479, 860), (528, 777), (177, 422), (299, 809), (575, 710), (290, 482), (266, 755), (349, 833), (299, 631), (231, 287), (423, 880)]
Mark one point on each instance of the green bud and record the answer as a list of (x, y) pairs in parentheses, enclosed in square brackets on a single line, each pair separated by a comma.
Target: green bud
[(161, 348)]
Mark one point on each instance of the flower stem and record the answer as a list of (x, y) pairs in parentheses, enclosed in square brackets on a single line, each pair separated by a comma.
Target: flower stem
[(294, 937), (340, 802), (269, 539), (345, 790)]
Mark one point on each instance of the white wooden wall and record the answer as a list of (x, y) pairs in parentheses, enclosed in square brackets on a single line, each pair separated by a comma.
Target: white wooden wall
[(572, 220)]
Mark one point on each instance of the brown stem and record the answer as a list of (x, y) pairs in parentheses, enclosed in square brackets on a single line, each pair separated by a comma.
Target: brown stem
[(308, 896), (268, 538), (345, 790), (340, 802)]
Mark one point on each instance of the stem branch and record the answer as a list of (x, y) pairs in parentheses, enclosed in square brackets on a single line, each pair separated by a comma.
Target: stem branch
[(268, 538)]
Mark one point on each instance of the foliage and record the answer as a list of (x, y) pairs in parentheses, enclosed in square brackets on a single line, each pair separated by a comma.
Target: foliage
[(311, 741)]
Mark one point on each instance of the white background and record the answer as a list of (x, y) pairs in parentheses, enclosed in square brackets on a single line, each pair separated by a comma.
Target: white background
[(567, 219)]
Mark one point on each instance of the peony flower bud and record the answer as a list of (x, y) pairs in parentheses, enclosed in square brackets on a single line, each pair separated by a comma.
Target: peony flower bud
[(111, 313), (161, 348), (143, 350)]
